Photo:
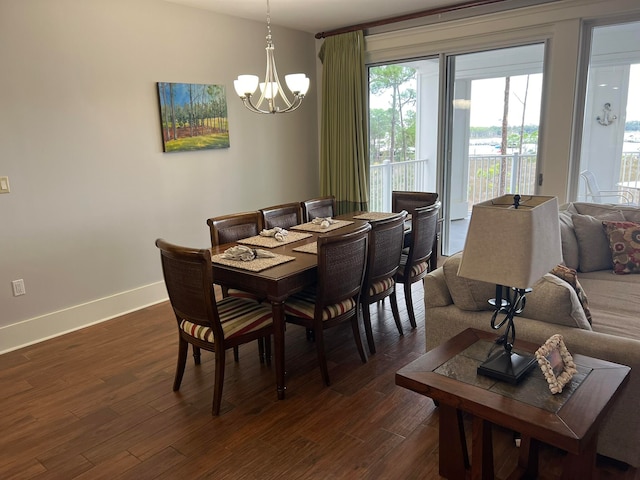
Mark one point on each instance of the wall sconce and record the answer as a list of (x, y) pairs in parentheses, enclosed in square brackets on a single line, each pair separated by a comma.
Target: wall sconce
[(607, 117)]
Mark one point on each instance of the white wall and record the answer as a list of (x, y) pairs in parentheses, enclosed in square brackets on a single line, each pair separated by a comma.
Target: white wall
[(80, 141)]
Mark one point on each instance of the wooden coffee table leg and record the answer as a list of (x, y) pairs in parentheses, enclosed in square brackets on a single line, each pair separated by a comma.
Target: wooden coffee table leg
[(528, 457), (583, 466), (454, 459), (482, 450)]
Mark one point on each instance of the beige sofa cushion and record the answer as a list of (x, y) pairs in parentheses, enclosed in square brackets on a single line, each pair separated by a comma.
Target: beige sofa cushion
[(552, 299), (555, 301), (467, 294), (593, 244), (631, 213)]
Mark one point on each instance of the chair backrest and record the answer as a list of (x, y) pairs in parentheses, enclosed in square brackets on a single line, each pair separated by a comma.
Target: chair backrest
[(409, 201), (597, 195), (318, 207), (231, 228), (593, 189), (283, 216), (424, 228), (385, 248), (341, 263), (189, 281)]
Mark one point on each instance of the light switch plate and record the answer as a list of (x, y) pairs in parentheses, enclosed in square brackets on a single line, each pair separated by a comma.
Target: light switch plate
[(4, 185)]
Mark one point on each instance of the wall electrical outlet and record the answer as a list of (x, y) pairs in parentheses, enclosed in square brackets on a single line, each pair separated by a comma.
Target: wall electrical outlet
[(18, 287)]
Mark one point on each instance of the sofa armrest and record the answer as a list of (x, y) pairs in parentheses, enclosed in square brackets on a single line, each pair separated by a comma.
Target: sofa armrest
[(436, 292)]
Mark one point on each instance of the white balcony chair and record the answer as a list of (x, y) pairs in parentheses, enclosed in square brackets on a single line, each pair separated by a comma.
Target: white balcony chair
[(597, 195)]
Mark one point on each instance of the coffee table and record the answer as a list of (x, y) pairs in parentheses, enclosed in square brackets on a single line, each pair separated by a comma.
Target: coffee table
[(569, 420)]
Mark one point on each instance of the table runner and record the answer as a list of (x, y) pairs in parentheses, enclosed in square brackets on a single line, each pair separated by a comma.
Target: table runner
[(255, 265), (270, 242), (312, 227), (308, 248)]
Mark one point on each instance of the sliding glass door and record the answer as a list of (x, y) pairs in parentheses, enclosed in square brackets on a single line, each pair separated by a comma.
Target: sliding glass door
[(471, 137), (491, 136)]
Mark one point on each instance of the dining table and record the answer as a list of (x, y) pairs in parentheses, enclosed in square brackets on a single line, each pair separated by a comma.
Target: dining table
[(293, 268)]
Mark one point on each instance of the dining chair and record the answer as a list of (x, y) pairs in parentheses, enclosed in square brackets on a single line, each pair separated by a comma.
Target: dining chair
[(335, 297), (231, 228), (318, 207), (203, 322), (284, 216), (414, 265), (409, 201), (383, 261)]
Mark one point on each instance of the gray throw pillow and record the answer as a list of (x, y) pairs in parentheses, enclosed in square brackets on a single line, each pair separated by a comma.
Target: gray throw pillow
[(593, 245), (569, 241)]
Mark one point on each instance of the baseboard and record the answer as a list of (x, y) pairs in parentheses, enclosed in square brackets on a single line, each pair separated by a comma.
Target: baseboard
[(58, 323)]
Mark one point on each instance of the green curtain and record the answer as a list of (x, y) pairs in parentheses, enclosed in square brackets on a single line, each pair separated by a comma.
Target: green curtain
[(344, 145)]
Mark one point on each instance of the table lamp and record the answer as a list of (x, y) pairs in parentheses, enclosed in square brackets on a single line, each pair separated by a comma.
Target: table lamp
[(512, 241)]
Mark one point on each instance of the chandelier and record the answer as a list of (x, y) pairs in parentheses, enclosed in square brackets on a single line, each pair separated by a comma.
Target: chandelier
[(246, 85)]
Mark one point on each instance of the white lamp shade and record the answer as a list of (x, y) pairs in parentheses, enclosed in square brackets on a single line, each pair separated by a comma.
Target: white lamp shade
[(270, 89), (509, 246), (297, 82), (246, 84)]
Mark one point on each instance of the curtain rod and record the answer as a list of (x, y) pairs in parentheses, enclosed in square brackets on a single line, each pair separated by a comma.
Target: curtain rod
[(408, 16)]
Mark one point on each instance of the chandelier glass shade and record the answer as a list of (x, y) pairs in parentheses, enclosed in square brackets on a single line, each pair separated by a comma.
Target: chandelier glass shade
[(272, 95)]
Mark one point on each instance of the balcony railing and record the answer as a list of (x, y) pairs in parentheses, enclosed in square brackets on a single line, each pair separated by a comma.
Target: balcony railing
[(386, 177), (489, 177)]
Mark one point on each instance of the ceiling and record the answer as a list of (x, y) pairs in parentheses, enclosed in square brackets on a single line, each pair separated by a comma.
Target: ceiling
[(317, 15)]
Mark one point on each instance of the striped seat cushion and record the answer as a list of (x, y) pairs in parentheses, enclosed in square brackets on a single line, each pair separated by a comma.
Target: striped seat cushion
[(234, 292), (303, 305), (415, 270), (381, 286), (238, 316)]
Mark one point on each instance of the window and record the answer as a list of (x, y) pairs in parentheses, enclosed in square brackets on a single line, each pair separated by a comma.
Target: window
[(610, 148)]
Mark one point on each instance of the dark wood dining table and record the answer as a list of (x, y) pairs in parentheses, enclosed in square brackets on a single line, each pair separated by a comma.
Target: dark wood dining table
[(276, 284)]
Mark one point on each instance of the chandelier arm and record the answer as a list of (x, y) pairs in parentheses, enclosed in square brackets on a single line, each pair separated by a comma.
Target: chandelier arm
[(272, 85)]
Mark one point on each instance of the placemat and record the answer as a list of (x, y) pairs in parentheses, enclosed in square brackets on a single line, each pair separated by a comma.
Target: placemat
[(271, 242), (255, 265), (375, 215), (308, 248), (312, 227)]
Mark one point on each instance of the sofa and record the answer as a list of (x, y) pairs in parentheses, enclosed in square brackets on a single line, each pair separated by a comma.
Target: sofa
[(596, 310)]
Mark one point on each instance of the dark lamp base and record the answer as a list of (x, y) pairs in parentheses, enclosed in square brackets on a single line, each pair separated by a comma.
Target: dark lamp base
[(507, 366)]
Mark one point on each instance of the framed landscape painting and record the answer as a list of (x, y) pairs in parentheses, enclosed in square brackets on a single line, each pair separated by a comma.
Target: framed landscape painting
[(193, 116)]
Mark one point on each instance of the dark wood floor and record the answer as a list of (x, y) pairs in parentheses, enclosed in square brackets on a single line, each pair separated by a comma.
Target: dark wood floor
[(98, 404)]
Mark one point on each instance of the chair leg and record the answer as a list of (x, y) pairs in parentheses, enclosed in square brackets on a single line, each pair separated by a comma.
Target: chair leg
[(196, 355), (218, 381), (366, 318), (267, 349), (356, 336), (183, 349), (322, 358), (261, 349), (396, 312), (310, 334), (407, 297), (236, 355)]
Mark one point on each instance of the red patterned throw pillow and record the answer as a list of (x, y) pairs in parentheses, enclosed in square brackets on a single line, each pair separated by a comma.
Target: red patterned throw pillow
[(570, 276), (624, 241)]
